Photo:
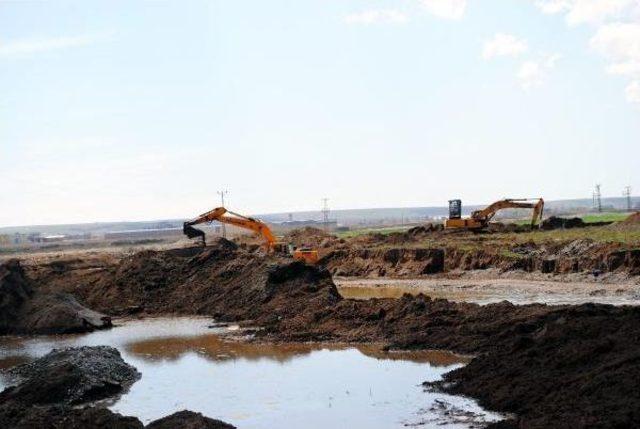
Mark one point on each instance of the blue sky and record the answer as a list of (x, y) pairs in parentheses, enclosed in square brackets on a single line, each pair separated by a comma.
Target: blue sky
[(143, 110)]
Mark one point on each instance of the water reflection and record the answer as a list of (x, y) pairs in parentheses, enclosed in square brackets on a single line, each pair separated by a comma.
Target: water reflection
[(186, 365), (217, 348)]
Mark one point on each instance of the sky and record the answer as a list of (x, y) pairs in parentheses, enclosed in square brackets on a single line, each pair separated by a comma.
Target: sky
[(120, 110)]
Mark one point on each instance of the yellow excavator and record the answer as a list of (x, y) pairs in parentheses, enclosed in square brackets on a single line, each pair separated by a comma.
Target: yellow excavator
[(480, 218), (271, 245)]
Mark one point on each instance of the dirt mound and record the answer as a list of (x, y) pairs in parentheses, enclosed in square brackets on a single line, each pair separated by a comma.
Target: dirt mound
[(25, 311), (554, 222), (633, 219), (188, 420), (310, 237), (19, 416), (71, 376), (222, 280), (573, 367)]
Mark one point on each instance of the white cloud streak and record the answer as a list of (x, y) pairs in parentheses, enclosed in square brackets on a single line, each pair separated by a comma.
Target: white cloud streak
[(534, 73), (501, 45), (381, 16), (446, 9), (585, 11), (28, 47)]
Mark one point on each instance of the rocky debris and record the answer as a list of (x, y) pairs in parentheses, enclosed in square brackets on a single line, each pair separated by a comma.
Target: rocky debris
[(71, 376), (24, 310), (188, 420)]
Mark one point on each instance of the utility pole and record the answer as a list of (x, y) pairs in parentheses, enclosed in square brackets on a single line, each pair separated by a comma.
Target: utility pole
[(224, 227), (627, 193), (325, 214), (597, 201)]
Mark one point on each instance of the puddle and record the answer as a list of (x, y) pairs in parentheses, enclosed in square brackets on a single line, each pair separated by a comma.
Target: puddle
[(486, 291), (186, 365)]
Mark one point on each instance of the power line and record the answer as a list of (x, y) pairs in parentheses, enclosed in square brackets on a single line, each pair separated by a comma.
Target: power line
[(224, 227), (325, 213), (627, 193), (597, 200)]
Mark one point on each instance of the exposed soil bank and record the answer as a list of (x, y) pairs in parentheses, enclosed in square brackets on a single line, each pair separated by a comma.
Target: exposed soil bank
[(589, 354), (409, 261), (47, 388), (24, 310)]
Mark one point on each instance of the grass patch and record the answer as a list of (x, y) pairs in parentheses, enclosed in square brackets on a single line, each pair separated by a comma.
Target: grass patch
[(604, 217), (383, 231)]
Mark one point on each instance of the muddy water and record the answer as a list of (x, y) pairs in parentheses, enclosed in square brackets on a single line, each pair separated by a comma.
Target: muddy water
[(485, 291), (186, 365)]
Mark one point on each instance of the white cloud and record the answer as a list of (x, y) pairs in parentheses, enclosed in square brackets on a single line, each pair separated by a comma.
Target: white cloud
[(620, 43), (632, 91), (447, 9), (388, 16), (553, 6), (503, 45), (586, 11), (27, 47), (533, 73)]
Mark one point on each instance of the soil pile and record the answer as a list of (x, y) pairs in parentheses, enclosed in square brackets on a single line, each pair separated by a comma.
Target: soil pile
[(573, 367), (554, 222), (222, 280), (71, 376), (311, 237), (188, 420), (25, 311), (633, 219)]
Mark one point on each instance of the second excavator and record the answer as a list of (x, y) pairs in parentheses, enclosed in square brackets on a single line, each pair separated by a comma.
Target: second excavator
[(480, 218), (271, 245)]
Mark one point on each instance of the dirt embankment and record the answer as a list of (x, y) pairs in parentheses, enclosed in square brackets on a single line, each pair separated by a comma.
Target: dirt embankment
[(25, 310), (583, 255), (58, 391), (588, 353)]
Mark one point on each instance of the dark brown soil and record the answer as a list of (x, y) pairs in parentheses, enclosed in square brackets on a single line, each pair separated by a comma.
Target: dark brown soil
[(24, 310), (188, 420)]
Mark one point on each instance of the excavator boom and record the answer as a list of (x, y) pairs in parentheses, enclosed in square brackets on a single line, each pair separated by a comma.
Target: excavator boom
[(223, 215)]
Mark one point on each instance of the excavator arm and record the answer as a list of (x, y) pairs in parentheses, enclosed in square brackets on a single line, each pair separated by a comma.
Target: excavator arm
[(486, 214), (223, 215)]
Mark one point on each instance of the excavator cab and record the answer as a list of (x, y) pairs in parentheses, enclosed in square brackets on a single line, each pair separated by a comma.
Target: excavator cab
[(455, 209)]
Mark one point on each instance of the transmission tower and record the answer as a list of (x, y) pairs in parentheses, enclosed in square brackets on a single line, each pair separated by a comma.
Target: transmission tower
[(224, 227), (627, 193), (597, 201), (325, 214)]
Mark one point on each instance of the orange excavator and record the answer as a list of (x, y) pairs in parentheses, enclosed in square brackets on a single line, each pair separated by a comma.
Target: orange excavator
[(271, 245), (480, 218)]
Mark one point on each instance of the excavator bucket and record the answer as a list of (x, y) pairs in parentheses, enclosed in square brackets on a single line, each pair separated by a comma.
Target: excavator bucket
[(192, 232)]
